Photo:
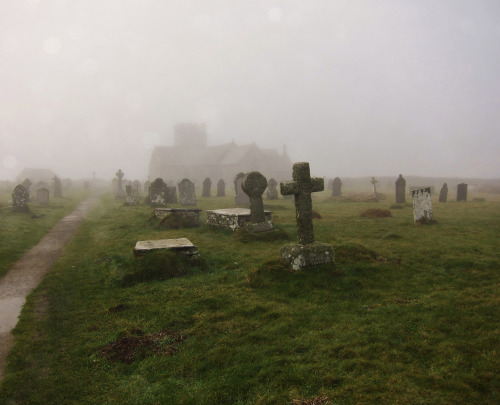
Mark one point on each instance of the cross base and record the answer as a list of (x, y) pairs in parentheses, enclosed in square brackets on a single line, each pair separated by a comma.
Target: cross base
[(298, 256)]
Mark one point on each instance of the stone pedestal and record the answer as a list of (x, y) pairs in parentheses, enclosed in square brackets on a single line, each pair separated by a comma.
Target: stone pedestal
[(298, 256), (181, 246), (233, 218)]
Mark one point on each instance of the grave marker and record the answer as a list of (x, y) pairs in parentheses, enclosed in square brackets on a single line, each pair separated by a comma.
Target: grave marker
[(207, 185), (400, 190), (422, 205), (443, 193), (337, 187), (186, 192), (20, 198), (119, 186), (254, 184), (240, 198)]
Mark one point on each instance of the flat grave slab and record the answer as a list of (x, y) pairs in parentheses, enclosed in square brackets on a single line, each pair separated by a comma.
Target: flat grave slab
[(184, 212), (181, 245), (232, 218)]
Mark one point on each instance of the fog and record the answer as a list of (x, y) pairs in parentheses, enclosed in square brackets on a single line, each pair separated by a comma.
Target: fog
[(356, 88)]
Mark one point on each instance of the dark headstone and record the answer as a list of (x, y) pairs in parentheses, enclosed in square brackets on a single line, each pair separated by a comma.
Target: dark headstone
[(337, 187), (240, 198), (57, 187), (207, 185), (462, 192), (400, 190), (42, 196), (221, 188), (443, 193), (158, 193), (20, 198), (186, 192), (254, 184), (272, 191), (171, 194)]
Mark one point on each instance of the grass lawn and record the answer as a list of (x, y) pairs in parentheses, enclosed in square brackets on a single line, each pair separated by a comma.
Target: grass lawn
[(20, 231), (409, 314)]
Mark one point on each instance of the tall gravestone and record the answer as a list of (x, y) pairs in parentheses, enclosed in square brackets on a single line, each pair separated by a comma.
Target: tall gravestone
[(240, 198), (254, 184), (20, 198), (462, 192), (307, 252), (158, 193), (337, 187), (374, 182), (42, 196), (207, 185), (221, 188), (119, 190), (186, 192), (272, 191), (57, 187), (400, 190), (443, 193), (422, 205), (131, 195)]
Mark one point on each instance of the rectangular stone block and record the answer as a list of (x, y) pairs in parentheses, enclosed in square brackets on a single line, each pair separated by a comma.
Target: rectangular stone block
[(181, 245), (232, 218)]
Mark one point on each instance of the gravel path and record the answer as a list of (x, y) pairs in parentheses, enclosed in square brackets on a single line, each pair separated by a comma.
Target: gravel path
[(28, 272)]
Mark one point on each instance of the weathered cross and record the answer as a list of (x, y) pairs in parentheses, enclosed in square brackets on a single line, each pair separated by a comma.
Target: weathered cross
[(302, 186), (254, 184)]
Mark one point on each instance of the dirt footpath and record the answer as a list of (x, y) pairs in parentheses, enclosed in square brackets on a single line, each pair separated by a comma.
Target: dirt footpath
[(28, 272)]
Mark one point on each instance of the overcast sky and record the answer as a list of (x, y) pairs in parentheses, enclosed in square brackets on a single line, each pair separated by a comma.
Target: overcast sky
[(354, 87)]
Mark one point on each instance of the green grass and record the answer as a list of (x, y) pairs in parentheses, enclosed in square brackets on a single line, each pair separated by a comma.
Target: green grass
[(409, 314), (20, 231)]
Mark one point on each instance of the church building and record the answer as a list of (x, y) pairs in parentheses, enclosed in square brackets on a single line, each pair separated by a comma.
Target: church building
[(192, 158)]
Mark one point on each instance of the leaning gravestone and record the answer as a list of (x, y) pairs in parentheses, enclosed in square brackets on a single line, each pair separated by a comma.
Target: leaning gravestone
[(443, 193), (158, 193), (186, 192), (400, 190), (307, 252), (272, 192), (240, 198), (20, 198), (221, 188), (207, 185), (337, 187), (119, 189), (57, 187), (422, 205), (42, 196), (462, 192), (254, 184)]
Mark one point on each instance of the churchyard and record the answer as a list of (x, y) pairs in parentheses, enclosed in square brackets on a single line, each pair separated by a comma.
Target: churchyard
[(407, 314)]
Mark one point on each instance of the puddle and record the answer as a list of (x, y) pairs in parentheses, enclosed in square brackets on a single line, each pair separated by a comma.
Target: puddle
[(10, 308)]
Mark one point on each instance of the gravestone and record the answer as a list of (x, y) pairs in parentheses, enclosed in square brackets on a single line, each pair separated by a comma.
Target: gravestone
[(57, 187), (462, 192), (307, 252), (400, 190), (158, 193), (337, 187), (207, 185), (254, 184), (422, 205), (221, 188), (240, 198), (374, 181), (146, 186), (42, 196), (179, 246), (443, 193), (119, 188), (131, 195), (186, 192), (20, 198), (272, 191), (27, 185)]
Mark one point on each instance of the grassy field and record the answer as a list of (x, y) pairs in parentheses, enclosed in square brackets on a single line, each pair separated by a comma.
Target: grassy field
[(409, 314), (20, 231)]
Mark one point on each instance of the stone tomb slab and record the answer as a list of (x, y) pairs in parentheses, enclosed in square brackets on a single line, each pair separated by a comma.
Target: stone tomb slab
[(181, 245), (190, 215), (233, 218)]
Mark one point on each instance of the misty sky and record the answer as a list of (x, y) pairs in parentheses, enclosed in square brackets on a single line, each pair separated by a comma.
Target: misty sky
[(354, 87)]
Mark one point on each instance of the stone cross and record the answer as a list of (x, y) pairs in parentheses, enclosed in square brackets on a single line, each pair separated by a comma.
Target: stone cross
[(272, 193), (301, 187), (462, 192), (20, 198), (57, 187), (374, 181), (119, 175), (254, 184), (207, 184)]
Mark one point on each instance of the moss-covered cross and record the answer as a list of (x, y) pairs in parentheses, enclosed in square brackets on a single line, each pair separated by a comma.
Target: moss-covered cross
[(302, 186)]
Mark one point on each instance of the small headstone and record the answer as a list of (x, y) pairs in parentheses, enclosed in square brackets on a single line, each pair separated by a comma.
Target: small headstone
[(131, 195), (306, 252), (374, 181), (272, 191), (254, 184), (207, 185), (443, 193), (186, 192), (158, 193), (400, 190), (422, 205), (462, 192), (181, 246), (42, 196), (119, 189), (221, 188), (57, 187), (20, 198), (337, 187), (240, 198)]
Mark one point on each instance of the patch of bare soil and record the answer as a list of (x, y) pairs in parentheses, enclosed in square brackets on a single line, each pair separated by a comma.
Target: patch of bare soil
[(138, 345)]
